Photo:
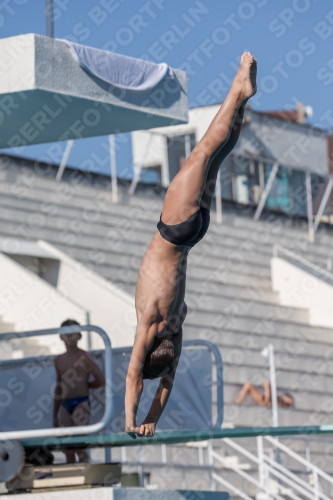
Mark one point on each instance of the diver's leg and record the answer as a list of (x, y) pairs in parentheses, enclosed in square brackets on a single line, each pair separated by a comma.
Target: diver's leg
[(184, 195), (219, 156)]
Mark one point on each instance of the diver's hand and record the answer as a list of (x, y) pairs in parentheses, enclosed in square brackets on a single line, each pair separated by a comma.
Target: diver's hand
[(133, 430), (147, 429), (144, 430)]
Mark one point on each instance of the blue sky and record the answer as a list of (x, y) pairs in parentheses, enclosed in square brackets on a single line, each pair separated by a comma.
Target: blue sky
[(292, 41)]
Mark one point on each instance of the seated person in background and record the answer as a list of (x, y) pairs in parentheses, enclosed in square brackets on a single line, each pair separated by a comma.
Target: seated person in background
[(71, 397), (285, 400)]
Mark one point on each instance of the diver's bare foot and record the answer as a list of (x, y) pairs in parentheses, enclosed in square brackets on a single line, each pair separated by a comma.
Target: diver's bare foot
[(245, 80)]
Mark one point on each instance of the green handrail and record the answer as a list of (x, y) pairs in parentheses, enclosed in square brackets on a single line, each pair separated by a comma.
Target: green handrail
[(172, 437)]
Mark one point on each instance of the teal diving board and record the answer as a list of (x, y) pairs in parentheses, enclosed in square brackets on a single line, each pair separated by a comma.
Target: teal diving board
[(171, 437)]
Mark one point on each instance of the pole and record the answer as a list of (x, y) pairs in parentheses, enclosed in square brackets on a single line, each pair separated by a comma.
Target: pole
[(187, 146), (266, 191), (49, 18), (275, 410), (89, 341), (108, 455), (114, 186), (273, 385), (309, 206), (323, 204), (211, 463), (64, 160)]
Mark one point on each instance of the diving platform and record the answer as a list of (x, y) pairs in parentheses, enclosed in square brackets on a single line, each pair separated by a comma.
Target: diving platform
[(125, 494), (47, 95)]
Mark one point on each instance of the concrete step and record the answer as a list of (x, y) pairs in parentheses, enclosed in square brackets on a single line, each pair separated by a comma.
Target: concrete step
[(288, 227), (245, 235), (6, 327), (304, 400), (116, 236), (250, 357), (125, 222), (259, 416), (317, 444), (286, 350), (262, 286), (91, 250), (292, 380), (227, 290), (203, 304), (211, 327), (81, 202), (92, 236)]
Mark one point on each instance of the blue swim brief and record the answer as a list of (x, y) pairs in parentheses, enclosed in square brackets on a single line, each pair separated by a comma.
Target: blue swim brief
[(71, 403)]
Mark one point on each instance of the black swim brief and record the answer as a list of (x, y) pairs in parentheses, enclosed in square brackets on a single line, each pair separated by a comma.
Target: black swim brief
[(186, 233)]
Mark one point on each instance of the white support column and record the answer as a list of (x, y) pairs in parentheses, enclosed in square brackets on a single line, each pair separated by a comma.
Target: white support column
[(164, 453), (261, 463), (187, 146), (114, 185), (140, 468), (200, 455), (316, 485), (272, 373), (89, 339), (268, 352), (135, 180), (309, 206), (266, 191), (165, 163), (184, 480), (211, 463), (64, 160), (218, 199), (49, 18), (323, 204), (263, 469)]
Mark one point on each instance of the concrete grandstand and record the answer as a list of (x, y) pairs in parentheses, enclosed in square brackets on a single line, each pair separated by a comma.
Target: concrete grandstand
[(229, 292)]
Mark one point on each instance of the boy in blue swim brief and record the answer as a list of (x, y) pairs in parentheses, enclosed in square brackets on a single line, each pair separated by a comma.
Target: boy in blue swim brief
[(71, 397)]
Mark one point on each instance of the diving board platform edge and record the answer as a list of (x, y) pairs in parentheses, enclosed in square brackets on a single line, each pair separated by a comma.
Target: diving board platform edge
[(45, 96)]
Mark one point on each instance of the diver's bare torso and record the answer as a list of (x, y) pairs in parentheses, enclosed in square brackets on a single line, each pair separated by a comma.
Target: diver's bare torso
[(160, 290)]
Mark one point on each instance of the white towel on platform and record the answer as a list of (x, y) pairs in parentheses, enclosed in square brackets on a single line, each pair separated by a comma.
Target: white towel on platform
[(118, 70)]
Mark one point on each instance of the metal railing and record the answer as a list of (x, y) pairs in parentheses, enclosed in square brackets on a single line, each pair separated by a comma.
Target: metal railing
[(292, 256), (267, 475), (272, 467), (285, 482), (219, 372), (314, 219), (68, 431)]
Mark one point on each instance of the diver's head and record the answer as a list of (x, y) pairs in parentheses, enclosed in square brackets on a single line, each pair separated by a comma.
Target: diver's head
[(160, 359)]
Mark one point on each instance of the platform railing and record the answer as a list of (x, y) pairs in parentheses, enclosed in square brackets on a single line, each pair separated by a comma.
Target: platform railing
[(268, 476), (68, 431), (286, 482), (294, 257)]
